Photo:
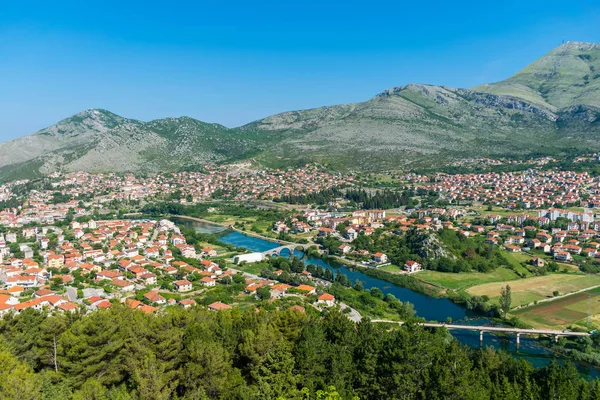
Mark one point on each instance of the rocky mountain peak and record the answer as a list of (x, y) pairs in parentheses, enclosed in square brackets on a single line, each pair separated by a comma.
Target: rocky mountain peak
[(579, 46), (411, 87), (91, 121)]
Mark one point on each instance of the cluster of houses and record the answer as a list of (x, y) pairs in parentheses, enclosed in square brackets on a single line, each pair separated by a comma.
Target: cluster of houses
[(561, 244), (582, 236), (43, 207), (278, 290), (531, 189), (121, 256)]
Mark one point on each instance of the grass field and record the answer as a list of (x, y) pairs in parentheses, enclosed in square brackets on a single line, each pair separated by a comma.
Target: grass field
[(215, 247), (252, 268), (249, 222), (515, 260), (225, 255), (465, 279), (520, 257), (483, 210), (525, 291), (228, 219), (391, 268), (563, 312)]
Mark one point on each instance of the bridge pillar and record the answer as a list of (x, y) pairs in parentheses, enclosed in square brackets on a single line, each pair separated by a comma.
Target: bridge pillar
[(555, 338), (480, 338), (518, 340)]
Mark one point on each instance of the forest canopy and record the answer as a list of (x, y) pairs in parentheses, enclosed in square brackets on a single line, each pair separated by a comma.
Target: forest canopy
[(256, 354)]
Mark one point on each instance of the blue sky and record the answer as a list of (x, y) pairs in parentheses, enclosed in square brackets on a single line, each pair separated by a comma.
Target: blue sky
[(233, 62)]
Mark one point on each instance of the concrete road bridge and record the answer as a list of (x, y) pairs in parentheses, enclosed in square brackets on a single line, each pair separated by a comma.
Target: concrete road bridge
[(517, 331)]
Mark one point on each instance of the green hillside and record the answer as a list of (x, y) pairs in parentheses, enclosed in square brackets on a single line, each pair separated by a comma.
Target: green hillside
[(568, 75)]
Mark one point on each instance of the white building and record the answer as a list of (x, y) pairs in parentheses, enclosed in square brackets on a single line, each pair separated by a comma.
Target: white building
[(250, 258), (412, 266)]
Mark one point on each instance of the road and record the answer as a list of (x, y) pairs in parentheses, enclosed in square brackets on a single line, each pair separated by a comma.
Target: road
[(353, 315)]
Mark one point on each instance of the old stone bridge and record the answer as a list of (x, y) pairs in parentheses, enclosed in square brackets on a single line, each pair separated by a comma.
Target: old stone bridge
[(290, 247)]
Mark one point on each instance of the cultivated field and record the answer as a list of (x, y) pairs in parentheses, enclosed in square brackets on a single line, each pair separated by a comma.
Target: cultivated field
[(563, 312), (465, 279), (525, 291)]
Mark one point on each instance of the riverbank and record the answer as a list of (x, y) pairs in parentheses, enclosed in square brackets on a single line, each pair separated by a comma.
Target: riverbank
[(428, 307), (402, 280), (234, 229)]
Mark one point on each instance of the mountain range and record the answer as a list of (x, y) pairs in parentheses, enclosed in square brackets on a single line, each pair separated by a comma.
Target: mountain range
[(551, 105)]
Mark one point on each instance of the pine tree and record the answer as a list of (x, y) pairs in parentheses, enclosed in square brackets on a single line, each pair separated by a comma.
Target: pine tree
[(505, 299)]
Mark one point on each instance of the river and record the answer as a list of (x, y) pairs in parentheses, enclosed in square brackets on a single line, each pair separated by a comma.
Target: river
[(430, 308)]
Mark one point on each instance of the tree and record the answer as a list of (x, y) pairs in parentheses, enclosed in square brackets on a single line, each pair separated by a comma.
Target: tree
[(263, 293), (50, 330), (151, 380), (18, 380), (505, 299), (259, 352)]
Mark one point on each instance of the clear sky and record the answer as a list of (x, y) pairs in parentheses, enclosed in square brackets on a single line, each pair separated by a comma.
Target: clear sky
[(233, 62)]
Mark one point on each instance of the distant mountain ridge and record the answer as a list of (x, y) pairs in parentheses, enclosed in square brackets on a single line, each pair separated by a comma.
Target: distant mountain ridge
[(552, 104)]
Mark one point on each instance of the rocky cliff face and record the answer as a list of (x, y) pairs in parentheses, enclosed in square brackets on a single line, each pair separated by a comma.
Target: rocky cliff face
[(434, 248)]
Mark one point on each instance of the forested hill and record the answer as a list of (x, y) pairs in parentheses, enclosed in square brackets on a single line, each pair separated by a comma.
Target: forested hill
[(196, 354)]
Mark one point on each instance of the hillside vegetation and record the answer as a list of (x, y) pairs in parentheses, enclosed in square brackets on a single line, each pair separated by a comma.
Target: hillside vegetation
[(198, 354)]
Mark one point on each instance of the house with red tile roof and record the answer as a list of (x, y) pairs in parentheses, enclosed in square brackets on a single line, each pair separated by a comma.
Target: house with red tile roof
[(155, 297), (218, 306), (182, 285), (326, 300)]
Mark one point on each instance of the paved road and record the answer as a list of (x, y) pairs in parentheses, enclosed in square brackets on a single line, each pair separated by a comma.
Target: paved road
[(353, 314), (154, 234)]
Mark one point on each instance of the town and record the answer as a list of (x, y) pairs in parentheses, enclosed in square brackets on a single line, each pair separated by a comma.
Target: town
[(71, 250)]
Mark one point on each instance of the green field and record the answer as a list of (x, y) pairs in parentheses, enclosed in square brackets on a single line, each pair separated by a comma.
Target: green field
[(528, 290), (519, 257), (225, 255), (391, 268), (483, 210), (215, 247), (515, 260), (252, 268), (248, 222), (564, 311), (464, 280)]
